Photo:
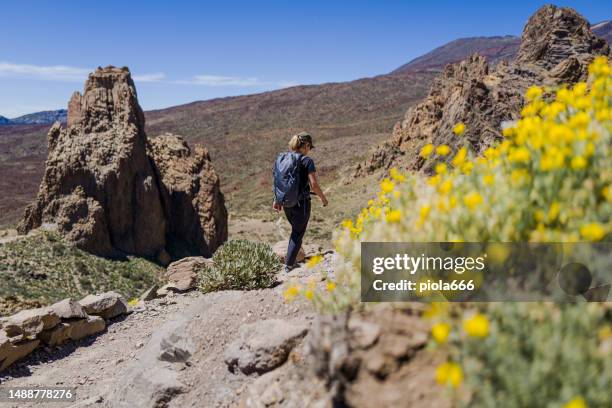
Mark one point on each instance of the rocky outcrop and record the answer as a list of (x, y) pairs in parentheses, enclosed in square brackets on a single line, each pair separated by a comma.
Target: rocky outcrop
[(197, 216), (104, 191), (368, 358), (556, 47)]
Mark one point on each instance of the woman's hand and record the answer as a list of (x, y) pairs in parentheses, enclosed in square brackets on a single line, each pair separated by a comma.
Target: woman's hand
[(277, 206), (314, 184)]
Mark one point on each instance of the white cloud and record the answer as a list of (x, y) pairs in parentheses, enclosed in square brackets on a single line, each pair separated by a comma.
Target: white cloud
[(217, 80), (66, 73), (61, 73), (157, 77), (52, 73)]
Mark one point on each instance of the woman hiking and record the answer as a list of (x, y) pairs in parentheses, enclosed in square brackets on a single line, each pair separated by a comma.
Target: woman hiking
[(294, 177)]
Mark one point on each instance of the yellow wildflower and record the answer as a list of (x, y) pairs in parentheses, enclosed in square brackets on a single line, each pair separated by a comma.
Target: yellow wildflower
[(533, 92), (607, 193), (488, 179), (579, 89), (578, 163), (449, 373), (520, 155), (394, 216), (460, 157), (440, 168), (576, 402), (472, 200), (424, 211), (309, 294), (459, 129), (592, 232), (387, 186), (442, 150), (427, 150), (445, 187), (291, 292), (553, 212), (314, 261), (477, 325), (331, 286), (348, 223), (396, 175), (440, 332), (467, 168)]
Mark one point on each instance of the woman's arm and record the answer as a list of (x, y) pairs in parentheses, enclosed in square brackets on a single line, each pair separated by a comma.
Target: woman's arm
[(314, 184)]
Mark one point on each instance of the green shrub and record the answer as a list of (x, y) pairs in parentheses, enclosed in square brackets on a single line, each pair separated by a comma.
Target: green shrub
[(240, 264), (42, 268)]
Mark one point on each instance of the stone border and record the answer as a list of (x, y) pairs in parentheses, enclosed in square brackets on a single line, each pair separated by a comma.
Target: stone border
[(23, 332)]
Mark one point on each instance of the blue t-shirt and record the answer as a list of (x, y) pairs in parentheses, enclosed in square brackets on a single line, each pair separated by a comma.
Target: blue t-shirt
[(307, 167)]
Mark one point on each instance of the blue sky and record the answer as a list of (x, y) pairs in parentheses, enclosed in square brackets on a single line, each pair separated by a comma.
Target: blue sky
[(181, 51)]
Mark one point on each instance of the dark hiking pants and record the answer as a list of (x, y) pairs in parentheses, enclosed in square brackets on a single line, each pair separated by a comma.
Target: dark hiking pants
[(298, 218)]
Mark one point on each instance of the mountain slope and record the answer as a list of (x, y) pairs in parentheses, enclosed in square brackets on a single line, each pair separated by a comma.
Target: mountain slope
[(494, 49), (37, 118), (243, 134), (41, 118)]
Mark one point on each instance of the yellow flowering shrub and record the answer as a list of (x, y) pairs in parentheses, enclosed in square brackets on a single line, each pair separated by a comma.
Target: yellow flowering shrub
[(549, 180)]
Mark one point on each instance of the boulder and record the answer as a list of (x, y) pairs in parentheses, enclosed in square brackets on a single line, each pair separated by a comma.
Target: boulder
[(68, 309), (86, 327), (29, 323), (11, 352), (110, 193), (264, 345), (280, 249), (106, 305), (182, 275)]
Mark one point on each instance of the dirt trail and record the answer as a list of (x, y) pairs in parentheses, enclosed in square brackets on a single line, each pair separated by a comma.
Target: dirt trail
[(98, 367)]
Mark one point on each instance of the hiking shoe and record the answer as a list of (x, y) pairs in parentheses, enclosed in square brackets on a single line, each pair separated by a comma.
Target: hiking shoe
[(289, 268)]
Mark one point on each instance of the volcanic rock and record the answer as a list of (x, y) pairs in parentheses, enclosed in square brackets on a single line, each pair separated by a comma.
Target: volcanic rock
[(105, 193), (31, 322), (68, 309), (11, 352), (106, 305), (182, 275), (556, 48), (264, 345)]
